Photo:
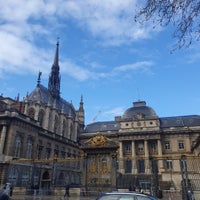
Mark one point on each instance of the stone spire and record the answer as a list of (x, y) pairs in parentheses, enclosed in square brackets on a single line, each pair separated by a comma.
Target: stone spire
[(54, 77)]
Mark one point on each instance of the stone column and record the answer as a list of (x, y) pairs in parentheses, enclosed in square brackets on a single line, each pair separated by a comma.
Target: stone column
[(2, 139), (121, 161), (134, 164), (146, 155)]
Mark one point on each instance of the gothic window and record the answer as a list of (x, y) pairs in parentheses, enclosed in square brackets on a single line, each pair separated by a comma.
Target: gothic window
[(18, 147), (181, 145), (39, 150), (56, 151), (141, 166), (71, 131), (31, 113), (29, 148), (48, 151), (128, 166), (63, 153), (41, 117), (64, 128), (56, 125)]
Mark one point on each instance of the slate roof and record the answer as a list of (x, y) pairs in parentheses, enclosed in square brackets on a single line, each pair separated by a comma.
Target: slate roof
[(42, 94), (165, 122)]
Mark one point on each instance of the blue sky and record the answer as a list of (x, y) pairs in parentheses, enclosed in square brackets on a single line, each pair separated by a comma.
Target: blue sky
[(104, 56)]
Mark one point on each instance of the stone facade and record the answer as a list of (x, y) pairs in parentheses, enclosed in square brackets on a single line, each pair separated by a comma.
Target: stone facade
[(36, 132), (150, 148), (43, 145)]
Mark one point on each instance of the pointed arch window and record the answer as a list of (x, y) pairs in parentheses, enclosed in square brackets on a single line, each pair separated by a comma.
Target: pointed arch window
[(71, 131), (29, 148), (18, 147), (56, 125), (41, 117), (39, 149), (31, 113), (63, 127), (48, 151)]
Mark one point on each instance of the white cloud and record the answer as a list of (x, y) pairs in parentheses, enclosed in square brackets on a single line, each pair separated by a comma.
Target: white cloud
[(143, 65), (110, 20), (23, 22)]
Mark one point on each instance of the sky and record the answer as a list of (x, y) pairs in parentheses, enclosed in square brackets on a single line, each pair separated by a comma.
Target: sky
[(104, 56)]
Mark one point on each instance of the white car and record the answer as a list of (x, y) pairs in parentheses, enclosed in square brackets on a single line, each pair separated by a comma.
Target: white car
[(124, 196)]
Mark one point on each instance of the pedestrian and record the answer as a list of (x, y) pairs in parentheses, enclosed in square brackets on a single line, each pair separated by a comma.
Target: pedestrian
[(11, 190), (66, 191), (4, 196)]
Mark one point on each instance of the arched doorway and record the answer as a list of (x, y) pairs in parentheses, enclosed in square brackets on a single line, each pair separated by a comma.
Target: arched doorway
[(45, 182)]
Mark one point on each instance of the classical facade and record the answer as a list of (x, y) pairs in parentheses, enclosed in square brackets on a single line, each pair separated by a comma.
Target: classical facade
[(37, 132), (153, 151), (44, 144)]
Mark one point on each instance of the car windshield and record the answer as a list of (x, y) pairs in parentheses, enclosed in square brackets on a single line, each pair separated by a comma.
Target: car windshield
[(123, 197)]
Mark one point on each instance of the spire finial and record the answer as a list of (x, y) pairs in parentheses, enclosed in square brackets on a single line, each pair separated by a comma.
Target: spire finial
[(39, 78), (54, 78), (58, 38)]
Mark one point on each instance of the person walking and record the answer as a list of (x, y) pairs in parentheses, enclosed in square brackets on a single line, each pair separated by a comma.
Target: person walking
[(67, 191)]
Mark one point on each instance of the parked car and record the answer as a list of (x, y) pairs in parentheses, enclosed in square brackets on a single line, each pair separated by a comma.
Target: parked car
[(124, 196)]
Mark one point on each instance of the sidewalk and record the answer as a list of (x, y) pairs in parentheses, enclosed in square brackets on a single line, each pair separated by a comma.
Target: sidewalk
[(30, 197)]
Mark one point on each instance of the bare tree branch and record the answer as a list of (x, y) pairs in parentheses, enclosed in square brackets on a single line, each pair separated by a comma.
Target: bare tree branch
[(183, 14)]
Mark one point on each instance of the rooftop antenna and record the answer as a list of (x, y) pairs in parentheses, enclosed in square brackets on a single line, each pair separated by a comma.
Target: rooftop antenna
[(138, 93)]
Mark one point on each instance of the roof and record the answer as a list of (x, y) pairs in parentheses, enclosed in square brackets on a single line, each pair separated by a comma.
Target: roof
[(139, 108), (43, 95)]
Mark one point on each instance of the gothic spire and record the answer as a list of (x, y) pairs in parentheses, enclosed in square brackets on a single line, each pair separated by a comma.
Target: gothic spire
[(54, 77)]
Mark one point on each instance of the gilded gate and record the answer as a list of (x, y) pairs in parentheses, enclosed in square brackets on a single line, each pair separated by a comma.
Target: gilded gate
[(99, 164)]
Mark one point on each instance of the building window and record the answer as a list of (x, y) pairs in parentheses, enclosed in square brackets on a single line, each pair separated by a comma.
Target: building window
[(56, 125), (18, 147), (141, 166), (56, 151), (48, 151), (169, 165), (127, 147), (39, 149), (41, 117), (181, 145), (31, 113), (29, 148), (153, 146), (128, 166), (13, 175), (25, 177), (63, 153), (64, 128), (140, 148), (167, 145)]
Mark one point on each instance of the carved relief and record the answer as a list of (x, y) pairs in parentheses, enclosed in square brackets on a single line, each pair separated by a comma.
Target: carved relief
[(98, 140)]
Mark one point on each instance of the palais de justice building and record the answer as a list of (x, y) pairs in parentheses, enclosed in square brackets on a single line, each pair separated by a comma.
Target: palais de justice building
[(44, 143)]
